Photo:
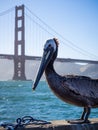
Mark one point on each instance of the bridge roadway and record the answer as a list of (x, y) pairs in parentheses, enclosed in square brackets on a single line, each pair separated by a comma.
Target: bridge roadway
[(11, 57)]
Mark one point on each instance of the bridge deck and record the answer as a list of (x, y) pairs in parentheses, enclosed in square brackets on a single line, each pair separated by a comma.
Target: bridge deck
[(11, 57)]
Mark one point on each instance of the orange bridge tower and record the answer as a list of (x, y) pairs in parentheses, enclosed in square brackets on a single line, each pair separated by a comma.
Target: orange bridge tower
[(19, 44)]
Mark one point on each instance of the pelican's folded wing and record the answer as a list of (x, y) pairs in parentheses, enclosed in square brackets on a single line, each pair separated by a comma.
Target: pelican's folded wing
[(82, 85)]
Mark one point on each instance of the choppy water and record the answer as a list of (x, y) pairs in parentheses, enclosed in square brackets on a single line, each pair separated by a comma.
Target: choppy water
[(17, 100)]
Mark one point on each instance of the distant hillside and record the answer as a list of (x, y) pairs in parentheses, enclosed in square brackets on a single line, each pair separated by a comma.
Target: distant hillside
[(90, 70), (7, 69)]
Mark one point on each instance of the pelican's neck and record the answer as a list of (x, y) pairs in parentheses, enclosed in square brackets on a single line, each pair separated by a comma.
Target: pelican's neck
[(50, 68), (51, 76)]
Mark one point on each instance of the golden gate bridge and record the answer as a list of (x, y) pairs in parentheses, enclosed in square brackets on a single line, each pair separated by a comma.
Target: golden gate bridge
[(19, 55)]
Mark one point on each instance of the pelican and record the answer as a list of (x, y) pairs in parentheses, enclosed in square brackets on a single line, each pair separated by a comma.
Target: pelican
[(77, 90)]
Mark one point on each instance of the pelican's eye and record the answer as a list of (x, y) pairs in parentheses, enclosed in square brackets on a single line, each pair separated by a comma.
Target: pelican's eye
[(49, 45)]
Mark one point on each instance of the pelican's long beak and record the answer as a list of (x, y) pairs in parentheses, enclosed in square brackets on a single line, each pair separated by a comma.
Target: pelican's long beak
[(47, 54)]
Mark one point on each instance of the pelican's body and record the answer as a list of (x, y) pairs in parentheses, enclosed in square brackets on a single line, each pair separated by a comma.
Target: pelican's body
[(77, 90)]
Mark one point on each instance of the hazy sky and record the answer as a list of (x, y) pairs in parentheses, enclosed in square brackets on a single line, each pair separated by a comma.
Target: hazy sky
[(76, 21)]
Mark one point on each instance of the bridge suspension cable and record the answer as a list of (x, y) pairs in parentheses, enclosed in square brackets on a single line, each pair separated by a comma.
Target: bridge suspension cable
[(7, 31), (54, 33), (7, 11)]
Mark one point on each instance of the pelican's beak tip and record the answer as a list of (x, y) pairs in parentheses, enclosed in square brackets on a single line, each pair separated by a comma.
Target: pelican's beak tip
[(33, 88)]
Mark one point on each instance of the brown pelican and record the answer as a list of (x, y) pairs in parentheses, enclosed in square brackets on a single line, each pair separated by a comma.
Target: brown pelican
[(81, 91)]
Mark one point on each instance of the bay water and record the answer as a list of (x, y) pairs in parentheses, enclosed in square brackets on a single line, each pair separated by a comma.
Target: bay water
[(18, 100)]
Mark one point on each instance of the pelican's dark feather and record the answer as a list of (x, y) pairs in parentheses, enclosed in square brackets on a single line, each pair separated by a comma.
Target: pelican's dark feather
[(82, 85)]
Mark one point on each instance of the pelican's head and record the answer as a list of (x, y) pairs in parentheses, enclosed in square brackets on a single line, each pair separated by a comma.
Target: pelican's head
[(50, 48)]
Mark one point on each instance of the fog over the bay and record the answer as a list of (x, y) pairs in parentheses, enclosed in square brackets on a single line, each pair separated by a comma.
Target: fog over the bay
[(31, 67)]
